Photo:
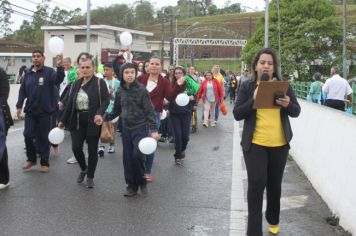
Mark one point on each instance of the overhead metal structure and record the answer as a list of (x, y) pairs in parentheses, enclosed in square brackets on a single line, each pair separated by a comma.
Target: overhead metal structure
[(204, 42)]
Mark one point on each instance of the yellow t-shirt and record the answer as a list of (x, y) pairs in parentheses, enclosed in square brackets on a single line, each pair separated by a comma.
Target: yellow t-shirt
[(220, 78), (269, 130)]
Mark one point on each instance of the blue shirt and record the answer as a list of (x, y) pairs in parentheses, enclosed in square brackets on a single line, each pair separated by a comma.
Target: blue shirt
[(210, 96), (114, 83), (40, 88)]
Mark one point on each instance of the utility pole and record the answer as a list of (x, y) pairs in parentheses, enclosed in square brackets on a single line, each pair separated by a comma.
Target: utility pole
[(171, 42), (88, 26), (344, 42), (162, 42), (266, 24), (279, 38)]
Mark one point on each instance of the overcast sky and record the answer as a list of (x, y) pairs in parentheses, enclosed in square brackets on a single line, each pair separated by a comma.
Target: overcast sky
[(72, 4)]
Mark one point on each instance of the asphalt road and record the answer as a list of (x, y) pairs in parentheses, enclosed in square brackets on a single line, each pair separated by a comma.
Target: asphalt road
[(194, 199)]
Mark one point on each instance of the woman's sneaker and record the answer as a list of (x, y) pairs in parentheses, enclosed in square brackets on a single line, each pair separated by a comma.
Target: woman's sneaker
[(101, 151), (72, 160), (111, 149)]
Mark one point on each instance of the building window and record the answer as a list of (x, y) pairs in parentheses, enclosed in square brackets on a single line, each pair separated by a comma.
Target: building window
[(23, 60), (82, 38)]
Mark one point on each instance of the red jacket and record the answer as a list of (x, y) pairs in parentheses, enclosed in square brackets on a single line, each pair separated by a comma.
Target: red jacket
[(163, 90), (218, 90)]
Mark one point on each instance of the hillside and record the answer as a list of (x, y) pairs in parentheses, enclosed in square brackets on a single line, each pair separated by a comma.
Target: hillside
[(243, 24)]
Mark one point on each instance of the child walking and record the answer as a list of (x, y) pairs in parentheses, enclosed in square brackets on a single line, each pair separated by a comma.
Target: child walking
[(134, 106)]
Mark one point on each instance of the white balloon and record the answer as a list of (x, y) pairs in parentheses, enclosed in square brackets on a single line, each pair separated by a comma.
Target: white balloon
[(56, 135), (56, 45), (115, 120), (163, 115), (126, 38), (147, 145), (182, 99)]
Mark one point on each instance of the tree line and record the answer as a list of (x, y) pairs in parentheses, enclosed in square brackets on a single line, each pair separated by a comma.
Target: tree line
[(137, 16)]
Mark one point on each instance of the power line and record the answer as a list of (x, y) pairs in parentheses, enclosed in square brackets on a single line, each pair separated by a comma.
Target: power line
[(31, 17)]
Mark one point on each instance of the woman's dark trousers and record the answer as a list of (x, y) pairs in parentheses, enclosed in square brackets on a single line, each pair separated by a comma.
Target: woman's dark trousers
[(181, 128), (265, 167), (78, 138), (4, 168)]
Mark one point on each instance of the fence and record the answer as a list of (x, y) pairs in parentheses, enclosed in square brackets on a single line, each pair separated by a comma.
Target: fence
[(301, 90)]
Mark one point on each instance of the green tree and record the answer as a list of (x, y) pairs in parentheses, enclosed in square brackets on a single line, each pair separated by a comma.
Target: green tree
[(202, 5), (213, 10), (40, 18), (186, 8), (60, 16), (117, 14), (233, 8), (309, 32), (144, 13), (5, 18), (25, 33)]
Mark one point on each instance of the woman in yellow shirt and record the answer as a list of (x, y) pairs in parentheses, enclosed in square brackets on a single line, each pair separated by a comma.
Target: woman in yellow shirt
[(265, 143)]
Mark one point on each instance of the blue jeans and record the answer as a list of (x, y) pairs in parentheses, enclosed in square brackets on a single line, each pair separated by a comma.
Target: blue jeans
[(133, 159), (217, 111), (149, 158)]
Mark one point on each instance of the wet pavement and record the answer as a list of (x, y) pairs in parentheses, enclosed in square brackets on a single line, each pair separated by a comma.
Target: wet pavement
[(205, 196)]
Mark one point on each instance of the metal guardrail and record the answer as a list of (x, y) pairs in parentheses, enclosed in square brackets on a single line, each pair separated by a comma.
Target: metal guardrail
[(301, 90)]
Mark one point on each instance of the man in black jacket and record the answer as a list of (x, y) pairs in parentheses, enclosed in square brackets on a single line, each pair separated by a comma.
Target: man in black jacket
[(40, 89)]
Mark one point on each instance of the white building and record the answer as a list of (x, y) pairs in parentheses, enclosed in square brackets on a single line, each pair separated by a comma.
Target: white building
[(156, 46), (104, 41)]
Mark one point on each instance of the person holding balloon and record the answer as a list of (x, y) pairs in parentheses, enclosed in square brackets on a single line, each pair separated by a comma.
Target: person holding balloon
[(133, 105), (159, 88), (39, 88), (180, 112), (86, 105)]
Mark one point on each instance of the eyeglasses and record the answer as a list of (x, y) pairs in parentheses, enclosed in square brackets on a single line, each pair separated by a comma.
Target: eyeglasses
[(178, 72)]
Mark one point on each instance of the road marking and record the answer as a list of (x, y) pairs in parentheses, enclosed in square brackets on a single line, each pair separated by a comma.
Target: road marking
[(238, 213)]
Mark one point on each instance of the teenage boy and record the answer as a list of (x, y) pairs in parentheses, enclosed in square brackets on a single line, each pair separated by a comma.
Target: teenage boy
[(113, 86), (134, 105)]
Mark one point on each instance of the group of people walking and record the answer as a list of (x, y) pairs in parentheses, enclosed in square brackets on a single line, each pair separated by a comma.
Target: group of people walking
[(75, 98), (138, 97)]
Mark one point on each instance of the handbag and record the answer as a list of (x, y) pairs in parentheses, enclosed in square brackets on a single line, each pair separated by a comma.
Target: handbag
[(223, 108), (107, 132), (107, 128)]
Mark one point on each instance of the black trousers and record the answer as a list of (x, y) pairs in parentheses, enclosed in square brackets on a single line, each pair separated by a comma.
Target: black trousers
[(4, 168), (37, 128), (133, 159), (336, 104), (78, 138), (181, 128), (265, 167)]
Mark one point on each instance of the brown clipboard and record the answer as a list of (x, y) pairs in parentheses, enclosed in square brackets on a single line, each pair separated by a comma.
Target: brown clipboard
[(265, 94)]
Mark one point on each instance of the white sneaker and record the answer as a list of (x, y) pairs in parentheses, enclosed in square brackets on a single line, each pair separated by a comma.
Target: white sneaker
[(111, 149), (72, 160), (3, 186)]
